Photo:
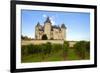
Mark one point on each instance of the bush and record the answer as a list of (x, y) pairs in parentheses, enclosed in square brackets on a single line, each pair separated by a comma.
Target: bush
[(24, 50), (45, 49), (65, 45), (56, 47), (88, 47), (65, 49), (30, 49), (48, 47), (81, 48)]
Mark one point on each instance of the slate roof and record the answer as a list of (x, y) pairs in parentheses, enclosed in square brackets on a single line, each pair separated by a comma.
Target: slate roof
[(63, 26), (52, 27), (38, 24), (47, 20)]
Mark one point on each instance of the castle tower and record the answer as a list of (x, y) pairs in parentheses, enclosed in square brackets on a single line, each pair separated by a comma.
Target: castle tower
[(49, 31), (47, 28), (37, 35), (63, 30)]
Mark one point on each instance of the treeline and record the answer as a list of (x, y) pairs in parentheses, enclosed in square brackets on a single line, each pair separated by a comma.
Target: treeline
[(25, 38)]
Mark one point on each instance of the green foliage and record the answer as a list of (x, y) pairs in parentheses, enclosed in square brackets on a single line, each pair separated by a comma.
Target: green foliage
[(55, 52), (56, 47), (81, 48), (65, 49), (24, 50), (65, 46), (25, 38), (88, 46), (30, 49), (48, 48)]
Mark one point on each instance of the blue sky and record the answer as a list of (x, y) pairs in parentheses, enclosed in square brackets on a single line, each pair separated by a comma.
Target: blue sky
[(77, 23)]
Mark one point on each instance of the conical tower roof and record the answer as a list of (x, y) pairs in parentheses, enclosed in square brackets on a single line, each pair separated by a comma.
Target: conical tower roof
[(63, 26), (48, 20), (38, 24)]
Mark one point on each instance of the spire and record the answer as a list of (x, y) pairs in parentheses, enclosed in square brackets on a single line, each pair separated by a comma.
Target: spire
[(47, 20), (63, 26), (38, 24)]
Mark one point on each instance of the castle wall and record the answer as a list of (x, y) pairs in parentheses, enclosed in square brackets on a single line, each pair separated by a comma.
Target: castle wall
[(47, 30), (55, 34), (36, 42), (58, 33)]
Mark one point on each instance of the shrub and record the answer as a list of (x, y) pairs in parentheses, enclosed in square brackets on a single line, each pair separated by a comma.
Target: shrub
[(56, 47), (48, 47), (24, 50), (45, 49), (30, 49), (65, 45), (81, 48), (65, 49), (88, 47)]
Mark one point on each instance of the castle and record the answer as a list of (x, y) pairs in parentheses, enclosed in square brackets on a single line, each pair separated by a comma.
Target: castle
[(49, 31)]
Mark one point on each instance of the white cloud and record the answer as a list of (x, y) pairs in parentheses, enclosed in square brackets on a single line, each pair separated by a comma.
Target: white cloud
[(52, 20), (44, 15)]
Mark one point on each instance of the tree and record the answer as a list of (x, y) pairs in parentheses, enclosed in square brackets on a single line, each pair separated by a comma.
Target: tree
[(25, 37), (44, 37)]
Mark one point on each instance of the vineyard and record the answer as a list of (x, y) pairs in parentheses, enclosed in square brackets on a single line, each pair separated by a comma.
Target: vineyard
[(55, 52)]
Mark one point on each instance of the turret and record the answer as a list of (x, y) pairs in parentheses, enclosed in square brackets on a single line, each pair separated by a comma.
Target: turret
[(47, 27), (63, 26), (38, 24), (63, 30), (37, 28), (47, 20)]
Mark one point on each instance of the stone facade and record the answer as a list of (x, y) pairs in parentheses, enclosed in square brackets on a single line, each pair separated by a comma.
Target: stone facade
[(50, 31)]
